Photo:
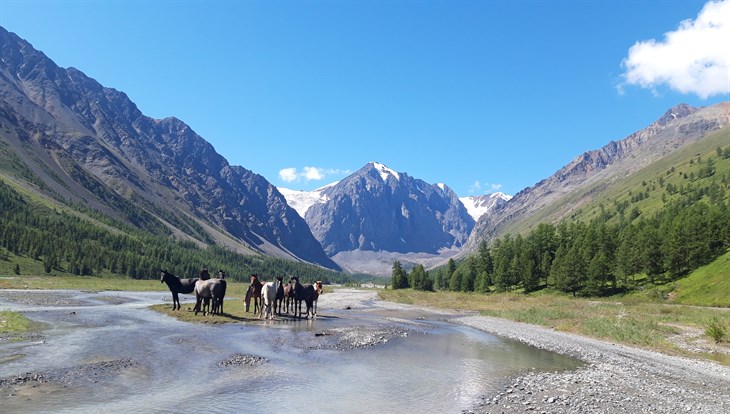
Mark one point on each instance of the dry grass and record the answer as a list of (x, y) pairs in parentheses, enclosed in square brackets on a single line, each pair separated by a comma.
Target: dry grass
[(633, 323)]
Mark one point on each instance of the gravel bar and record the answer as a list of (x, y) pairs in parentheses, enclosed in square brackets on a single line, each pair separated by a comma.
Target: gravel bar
[(614, 379)]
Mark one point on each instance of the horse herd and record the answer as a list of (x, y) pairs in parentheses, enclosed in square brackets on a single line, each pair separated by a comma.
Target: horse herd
[(268, 297)]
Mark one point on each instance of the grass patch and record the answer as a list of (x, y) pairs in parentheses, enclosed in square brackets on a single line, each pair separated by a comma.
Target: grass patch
[(93, 283), (633, 320), (13, 323), (716, 329), (707, 286)]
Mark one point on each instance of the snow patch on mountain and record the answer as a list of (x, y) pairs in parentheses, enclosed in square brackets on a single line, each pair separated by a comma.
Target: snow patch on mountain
[(477, 206), (385, 171), (301, 200)]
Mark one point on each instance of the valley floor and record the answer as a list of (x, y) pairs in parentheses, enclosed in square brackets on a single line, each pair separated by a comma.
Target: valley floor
[(614, 379)]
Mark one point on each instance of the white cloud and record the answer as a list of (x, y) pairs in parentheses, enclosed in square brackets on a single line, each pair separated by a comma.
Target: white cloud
[(288, 175), (695, 58), (307, 174), (478, 186), (313, 173)]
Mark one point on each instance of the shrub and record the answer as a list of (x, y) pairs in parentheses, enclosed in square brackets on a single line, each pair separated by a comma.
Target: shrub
[(715, 329)]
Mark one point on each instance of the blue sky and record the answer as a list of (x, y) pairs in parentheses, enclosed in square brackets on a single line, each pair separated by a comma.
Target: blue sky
[(481, 95)]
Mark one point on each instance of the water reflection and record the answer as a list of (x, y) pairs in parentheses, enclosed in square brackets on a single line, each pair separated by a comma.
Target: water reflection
[(173, 366)]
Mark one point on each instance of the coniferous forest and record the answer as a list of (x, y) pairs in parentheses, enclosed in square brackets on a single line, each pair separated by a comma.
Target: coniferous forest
[(619, 249), (67, 243)]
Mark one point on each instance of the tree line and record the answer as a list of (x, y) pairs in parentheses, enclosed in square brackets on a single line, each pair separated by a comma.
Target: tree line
[(66, 242), (603, 255)]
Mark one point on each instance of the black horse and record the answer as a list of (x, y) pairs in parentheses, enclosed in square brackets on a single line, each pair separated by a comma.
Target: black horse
[(176, 286), (302, 293), (282, 295)]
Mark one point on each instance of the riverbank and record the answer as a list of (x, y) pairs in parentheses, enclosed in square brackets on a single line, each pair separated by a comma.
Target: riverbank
[(616, 378)]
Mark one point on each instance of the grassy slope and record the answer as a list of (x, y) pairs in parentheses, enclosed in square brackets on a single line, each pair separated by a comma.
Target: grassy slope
[(604, 194), (706, 286)]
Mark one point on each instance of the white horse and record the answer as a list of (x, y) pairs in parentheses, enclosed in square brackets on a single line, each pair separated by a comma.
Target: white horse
[(268, 298), (315, 296)]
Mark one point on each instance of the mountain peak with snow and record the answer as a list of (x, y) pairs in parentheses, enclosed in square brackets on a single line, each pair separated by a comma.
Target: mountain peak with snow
[(384, 171)]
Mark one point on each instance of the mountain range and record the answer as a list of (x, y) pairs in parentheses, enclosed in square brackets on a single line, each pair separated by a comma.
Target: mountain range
[(70, 141), (73, 140)]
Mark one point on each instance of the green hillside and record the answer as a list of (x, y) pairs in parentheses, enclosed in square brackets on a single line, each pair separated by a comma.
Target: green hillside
[(666, 225), (643, 192), (699, 164), (39, 236), (707, 286)]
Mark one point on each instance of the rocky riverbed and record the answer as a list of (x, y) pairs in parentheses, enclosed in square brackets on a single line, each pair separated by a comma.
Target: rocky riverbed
[(613, 379)]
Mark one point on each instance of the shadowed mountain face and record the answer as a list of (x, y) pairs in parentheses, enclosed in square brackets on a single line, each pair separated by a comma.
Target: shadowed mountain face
[(66, 136), (378, 209), (568, 189)]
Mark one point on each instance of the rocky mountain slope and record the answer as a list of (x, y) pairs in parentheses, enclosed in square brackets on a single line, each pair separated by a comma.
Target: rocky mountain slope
[(577, 183), (377, 208), (69, 138), (377, 215)]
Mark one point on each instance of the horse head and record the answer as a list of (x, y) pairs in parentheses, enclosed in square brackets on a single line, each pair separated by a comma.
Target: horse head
[(163, 275)]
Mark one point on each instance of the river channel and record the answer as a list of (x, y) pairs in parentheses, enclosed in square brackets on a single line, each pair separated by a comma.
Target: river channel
[(107, 351)]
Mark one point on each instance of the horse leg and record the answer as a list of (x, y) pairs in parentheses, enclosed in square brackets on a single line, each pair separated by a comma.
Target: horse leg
[(196, 308), (175, 300)]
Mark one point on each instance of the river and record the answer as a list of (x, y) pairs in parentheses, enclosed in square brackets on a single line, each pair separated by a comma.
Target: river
[(108, 351)]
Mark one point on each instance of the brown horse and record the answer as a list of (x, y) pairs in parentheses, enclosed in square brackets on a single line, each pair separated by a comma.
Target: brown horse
[(254, 292), (284, 295)]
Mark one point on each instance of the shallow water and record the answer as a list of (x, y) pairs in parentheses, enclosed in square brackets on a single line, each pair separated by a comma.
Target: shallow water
[(172, 366)]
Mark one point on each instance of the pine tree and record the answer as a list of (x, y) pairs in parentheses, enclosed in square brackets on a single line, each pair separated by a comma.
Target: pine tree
[(399, 279)]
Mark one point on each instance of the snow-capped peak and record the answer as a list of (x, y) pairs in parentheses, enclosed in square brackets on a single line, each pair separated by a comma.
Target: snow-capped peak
[(385, 171), (442, 186)]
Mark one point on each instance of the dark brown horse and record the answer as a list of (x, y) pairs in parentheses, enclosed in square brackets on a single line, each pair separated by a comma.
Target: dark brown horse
[(302, 293), (254, 292), (283, 295), (177, 285)]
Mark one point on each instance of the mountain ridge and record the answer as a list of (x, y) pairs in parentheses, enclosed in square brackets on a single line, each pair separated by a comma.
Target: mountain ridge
[(678, 126), (79, 128)]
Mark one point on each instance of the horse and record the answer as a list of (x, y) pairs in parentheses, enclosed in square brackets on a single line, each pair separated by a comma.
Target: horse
[(282, 295), (268, 299), (177, 285), (254, 292), (315, 296), (219, 294), (213, 290), (204, 275), (302, 293)]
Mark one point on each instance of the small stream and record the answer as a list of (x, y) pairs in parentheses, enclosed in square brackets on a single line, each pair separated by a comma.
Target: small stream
[(107, 349)]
